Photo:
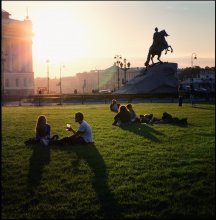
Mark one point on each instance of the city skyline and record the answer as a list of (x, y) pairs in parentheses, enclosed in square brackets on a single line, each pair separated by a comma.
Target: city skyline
[(86, 36)]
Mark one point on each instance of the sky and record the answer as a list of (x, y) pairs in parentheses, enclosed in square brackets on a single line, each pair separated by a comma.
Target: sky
[(87, 35)]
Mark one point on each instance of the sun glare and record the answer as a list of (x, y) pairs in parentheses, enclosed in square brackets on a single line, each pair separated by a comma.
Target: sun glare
[(58, 36)]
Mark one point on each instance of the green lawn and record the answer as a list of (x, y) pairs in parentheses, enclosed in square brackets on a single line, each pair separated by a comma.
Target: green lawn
[(138, 171)]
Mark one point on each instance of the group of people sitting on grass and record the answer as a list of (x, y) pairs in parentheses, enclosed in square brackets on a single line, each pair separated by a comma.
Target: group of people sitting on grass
[(83, 135), (126, 115)]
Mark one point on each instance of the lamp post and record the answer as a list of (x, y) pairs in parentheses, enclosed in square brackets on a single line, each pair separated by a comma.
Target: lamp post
[(193, 57), (61, 66), (84, 85), (47, 61), (118, 57), (126, 67), (98, 81)]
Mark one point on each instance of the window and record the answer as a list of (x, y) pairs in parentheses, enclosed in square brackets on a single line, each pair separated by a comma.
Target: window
[(7, 82), (25, 82), (17, 82)]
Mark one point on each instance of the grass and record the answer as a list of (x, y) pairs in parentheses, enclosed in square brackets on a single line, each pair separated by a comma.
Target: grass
[(138, 171)]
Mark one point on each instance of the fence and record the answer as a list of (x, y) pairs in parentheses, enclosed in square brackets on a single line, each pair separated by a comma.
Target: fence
[(49, 99)]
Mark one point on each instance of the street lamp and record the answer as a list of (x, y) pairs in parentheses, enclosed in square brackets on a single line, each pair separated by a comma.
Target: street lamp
[(193, 57), (84, 85), (98, 82), (61, 66), (118, 57), (47, 61), (126, 67), (98, 71)]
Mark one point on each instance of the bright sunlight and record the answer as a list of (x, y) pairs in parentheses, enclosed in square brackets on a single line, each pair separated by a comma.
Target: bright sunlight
[(59, 36)]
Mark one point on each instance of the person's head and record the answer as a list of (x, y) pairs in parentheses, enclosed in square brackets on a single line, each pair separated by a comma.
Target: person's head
[(129, 106), (156, 29), (114, 101), (41, 119), (79, 117), (123, 108)]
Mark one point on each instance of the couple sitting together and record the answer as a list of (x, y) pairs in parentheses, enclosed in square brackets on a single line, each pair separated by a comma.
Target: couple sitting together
[(83, 135), (126, 115)]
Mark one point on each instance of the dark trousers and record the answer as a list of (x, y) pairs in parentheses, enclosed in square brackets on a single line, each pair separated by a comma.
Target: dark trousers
[(180, 100), (69, 140)]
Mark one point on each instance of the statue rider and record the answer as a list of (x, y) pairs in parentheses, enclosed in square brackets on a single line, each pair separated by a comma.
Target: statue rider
[(159, 44), (159, 39), (156, 36), (155, 33)]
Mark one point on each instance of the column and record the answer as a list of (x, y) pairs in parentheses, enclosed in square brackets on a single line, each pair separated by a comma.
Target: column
[(10, 56)]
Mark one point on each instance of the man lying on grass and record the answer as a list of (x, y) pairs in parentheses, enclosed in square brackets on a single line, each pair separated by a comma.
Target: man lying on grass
[(82, 136)]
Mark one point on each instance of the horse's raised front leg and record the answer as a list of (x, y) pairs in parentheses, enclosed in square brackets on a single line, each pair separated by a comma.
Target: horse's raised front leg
[(167, 49)]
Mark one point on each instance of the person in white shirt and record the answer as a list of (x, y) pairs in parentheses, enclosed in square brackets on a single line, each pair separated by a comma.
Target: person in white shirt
[(83, 135)]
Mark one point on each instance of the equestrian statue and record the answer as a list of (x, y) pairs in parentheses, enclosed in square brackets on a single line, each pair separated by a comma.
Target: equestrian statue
[(159, 44)]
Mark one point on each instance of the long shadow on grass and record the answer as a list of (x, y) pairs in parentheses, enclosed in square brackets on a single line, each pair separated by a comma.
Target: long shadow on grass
[(143, 130), (109, 206), (206, 108), (40, 157)]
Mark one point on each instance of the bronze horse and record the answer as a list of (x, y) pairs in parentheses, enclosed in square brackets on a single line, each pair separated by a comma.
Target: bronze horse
[(158, 46)]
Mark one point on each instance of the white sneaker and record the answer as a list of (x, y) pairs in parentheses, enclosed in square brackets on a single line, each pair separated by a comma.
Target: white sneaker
[(44, 142)]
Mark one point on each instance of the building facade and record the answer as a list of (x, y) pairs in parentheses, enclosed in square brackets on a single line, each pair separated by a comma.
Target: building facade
[(87, 82), (17, 74), (203, 81)]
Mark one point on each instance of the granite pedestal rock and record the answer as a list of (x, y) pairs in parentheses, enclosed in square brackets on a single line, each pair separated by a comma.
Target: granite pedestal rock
[(158, 78)]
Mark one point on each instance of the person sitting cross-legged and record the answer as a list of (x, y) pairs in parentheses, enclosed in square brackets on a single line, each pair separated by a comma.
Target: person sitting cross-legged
[(83, 135), (42, 133)]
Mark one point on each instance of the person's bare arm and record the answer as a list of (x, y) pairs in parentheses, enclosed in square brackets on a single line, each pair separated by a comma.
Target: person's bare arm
[(75, 132)]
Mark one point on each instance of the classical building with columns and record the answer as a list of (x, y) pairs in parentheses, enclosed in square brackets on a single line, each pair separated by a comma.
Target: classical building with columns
[(17, 74)]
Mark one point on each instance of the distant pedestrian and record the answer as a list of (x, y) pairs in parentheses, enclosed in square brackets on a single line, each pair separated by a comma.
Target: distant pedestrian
[(180, 94), (192, 95)]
